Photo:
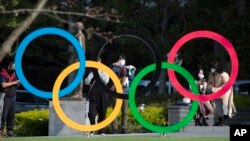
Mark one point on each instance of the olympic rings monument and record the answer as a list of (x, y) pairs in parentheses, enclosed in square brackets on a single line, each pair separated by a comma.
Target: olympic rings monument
[(63, 121)]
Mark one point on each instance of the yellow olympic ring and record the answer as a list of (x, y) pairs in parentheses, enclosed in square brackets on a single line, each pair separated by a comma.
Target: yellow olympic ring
[(68, 121)]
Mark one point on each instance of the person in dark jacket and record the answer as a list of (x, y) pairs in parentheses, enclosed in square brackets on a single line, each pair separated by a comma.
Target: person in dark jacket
[(10, 83), (98, 99)]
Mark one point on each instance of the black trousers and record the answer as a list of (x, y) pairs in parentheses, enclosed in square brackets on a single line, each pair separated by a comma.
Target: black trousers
[(8, 117), (98, 103)]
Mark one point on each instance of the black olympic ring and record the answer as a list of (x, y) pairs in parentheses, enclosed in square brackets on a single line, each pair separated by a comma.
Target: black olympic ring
[(154, 48)]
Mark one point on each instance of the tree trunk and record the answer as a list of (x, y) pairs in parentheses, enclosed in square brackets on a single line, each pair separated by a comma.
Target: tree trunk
[(162, 80), (8, 43)]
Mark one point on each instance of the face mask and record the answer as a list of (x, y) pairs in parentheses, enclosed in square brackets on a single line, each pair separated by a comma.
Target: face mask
[(122, 62), (213, 70), (201, 76)]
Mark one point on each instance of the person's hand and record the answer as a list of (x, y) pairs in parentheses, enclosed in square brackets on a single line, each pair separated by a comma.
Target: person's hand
[(203, 89), (112, 88), (116, 64), (213, 89), (17, 82)]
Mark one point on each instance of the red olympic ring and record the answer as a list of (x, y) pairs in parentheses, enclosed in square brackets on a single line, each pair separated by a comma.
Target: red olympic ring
[(224, 42)]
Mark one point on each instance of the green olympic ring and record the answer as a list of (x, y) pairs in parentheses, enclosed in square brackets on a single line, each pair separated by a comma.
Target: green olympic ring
[(155, 128)]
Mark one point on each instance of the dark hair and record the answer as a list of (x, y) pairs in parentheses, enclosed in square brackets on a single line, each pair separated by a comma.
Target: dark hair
[(213, 64), (10, 62), (122, 57), (220, 68)]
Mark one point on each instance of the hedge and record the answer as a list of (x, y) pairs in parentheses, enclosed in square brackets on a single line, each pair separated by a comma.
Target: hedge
[(35, 123), (32, 123), (242, 102)]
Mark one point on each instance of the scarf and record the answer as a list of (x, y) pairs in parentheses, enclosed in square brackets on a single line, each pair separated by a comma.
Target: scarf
[(7, 76)]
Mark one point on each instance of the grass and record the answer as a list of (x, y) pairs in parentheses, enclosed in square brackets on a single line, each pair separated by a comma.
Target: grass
[(118, 138)]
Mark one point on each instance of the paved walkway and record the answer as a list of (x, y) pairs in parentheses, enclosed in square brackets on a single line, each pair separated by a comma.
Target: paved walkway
[(189, 131)]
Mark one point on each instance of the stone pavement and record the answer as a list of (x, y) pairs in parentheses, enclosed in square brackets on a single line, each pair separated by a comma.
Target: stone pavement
[(189, 131)]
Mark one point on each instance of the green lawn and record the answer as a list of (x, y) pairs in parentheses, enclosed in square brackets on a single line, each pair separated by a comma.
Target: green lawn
[(118, 139)]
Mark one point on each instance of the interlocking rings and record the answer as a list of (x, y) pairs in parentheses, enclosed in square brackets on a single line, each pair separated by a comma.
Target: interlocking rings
[(132, 93), (68, 121)]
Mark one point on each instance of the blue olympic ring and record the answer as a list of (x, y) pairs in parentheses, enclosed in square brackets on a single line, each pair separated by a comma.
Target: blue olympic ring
[(50, 31)]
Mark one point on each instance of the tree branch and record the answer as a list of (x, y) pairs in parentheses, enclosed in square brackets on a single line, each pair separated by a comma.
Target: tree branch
[(97, 13), (56, 17), (8, 43)]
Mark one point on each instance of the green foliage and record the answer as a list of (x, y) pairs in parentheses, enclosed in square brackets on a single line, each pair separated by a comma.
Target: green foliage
[(156, 111), (2, 8), (32, 123), (154, 114), (242, 102), (15, 2), (12, 23)]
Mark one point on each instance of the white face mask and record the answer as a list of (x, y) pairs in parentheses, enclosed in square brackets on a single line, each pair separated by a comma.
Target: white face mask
[(201, 76), (122, 62), (213, 70)]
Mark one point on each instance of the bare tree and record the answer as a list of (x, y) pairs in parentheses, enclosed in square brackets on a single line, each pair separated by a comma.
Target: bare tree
[(96, 13), (8, 43)]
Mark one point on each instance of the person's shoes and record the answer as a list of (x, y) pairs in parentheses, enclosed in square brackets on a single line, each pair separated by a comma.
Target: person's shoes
[(114, 131), (225, 119), (91, 133), (102, 134), (11, 134), (221, 124), (216, 124), (204, 122), (124, 131), (221, 121), (198, 122)]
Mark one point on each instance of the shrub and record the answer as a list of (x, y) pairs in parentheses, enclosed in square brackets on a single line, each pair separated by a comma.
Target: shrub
[(32, 123), (242, 102), (154, 114)]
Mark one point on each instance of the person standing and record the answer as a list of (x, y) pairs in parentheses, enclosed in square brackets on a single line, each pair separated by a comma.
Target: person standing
[(223, 106), (122, 72), (98, 99), (10, 83), (205, 107)]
